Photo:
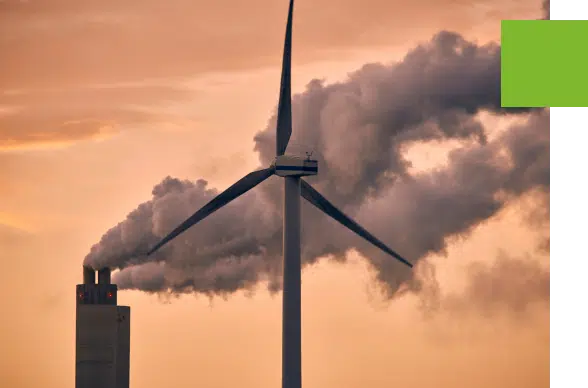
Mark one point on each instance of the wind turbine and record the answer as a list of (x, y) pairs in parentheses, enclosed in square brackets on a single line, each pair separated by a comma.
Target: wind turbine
[(291, 168)]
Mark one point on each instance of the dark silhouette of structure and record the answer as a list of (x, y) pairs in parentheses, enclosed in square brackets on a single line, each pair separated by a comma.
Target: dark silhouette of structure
[(102, 334)]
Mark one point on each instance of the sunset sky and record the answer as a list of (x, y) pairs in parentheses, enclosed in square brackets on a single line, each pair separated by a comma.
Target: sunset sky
[(101, 100)]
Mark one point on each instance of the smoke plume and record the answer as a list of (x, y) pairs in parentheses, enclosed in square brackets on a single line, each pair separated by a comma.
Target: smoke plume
[(359, 130), (511, 284)]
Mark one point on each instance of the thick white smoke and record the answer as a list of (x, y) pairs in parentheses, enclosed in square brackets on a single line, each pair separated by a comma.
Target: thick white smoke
[(359, 128)]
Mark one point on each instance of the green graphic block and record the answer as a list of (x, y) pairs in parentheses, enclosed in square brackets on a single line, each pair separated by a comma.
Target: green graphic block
[(544, 63)]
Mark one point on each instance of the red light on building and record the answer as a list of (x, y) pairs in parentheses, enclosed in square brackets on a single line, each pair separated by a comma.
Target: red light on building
[(109, 294)]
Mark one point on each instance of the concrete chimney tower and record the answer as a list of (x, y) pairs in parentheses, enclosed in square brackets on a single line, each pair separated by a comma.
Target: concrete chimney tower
[(102, 333)]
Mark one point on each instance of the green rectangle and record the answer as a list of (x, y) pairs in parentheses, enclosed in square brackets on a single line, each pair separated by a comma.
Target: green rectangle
[(544, 63)]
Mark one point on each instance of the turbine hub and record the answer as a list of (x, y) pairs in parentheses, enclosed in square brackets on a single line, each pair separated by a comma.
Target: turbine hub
[(289, 165)]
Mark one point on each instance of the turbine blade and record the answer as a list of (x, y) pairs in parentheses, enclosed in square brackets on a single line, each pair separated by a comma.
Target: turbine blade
[(284, 120), (243, 185), (315, 198)]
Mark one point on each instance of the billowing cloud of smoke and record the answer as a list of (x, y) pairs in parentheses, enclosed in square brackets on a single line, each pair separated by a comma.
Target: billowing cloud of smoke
[(511, 284), (358, 129)]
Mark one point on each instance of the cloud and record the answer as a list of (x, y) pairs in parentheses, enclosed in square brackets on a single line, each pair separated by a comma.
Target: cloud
[(12, 236), (57, 117), (63, 42), (117, 45), (512, 284), (359, 129), (49, 134)]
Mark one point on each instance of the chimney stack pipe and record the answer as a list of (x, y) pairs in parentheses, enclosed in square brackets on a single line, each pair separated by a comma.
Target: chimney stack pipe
[(104, 276), (89, 275)]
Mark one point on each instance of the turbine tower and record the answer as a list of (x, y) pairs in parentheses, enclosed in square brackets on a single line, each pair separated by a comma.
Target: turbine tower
[(291, 168)]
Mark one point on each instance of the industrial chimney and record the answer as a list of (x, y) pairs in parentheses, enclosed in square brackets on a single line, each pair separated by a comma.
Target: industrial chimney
[(102, 333), (104, 276), (89, 275)]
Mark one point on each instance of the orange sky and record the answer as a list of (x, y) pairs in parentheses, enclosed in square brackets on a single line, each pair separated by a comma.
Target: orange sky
[(75, 159)]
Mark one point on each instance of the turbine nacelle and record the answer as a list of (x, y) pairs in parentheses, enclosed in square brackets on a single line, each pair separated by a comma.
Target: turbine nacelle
[(290, 165)]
